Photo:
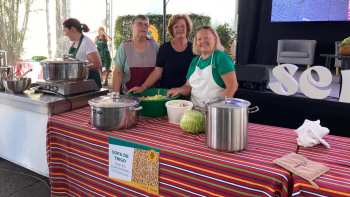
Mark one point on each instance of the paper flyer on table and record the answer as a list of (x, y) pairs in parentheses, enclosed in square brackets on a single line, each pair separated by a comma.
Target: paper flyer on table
[(134, 165)]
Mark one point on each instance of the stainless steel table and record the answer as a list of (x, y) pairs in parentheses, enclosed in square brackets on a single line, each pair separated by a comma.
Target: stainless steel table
[(23, 121)]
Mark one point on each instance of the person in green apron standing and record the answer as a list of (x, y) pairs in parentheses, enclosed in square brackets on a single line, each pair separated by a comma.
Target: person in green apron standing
[(83, 48), (101, 43), (212, 73)]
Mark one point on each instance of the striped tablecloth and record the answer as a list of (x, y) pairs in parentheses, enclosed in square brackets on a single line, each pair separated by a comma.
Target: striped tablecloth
[(336, 182), (78, 160)]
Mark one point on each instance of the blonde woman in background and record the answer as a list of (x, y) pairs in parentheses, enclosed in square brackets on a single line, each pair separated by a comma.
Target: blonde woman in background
[(102, 48), (212, 73)]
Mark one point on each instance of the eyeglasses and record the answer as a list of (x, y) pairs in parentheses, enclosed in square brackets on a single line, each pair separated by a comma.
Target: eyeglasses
[(142, 24), (204, 39), (181, 26), (203, 27)]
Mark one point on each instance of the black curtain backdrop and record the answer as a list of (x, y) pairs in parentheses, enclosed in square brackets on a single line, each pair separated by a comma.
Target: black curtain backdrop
[(258, 36)]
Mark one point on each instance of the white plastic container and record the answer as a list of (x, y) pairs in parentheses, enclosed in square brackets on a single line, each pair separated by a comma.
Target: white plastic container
[(175, 112)]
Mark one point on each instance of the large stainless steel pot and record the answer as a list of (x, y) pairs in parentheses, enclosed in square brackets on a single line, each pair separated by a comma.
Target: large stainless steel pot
[(65, 70), (114, 112), (227, 123)]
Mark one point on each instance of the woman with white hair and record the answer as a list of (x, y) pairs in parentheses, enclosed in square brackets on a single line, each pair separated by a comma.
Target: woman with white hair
[(136, 58), (212, 73)]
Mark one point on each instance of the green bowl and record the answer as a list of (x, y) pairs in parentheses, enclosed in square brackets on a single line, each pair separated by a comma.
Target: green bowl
[(38, 60), (153, 108)]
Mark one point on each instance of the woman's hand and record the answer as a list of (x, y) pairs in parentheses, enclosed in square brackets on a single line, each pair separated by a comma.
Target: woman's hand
[(185, 90), (173, 92), (137, 89)]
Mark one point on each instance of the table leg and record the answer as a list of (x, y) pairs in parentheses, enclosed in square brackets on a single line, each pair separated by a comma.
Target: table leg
[(328, 62)]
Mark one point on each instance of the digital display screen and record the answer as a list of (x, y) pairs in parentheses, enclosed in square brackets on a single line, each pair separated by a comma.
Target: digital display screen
[(310, 10)]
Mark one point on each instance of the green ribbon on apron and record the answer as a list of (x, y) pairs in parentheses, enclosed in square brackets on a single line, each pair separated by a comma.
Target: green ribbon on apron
[(93, 74)]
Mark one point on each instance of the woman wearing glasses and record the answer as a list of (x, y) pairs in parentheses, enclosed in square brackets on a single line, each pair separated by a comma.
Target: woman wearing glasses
[(135, 58), (212, 73), (174, 57)]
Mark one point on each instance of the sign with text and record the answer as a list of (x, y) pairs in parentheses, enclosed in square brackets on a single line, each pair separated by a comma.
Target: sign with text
[(134, 165)]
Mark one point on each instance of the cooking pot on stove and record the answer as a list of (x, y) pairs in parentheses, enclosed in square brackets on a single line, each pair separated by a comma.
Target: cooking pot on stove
[(65, 70), (114, 111), (227, 123)]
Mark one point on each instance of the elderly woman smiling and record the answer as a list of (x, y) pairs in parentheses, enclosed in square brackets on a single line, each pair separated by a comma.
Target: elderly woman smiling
[(174, 57), (212, 73), (135, 58)]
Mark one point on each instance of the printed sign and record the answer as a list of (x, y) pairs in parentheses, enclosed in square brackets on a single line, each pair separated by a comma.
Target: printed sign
[(134, 165)]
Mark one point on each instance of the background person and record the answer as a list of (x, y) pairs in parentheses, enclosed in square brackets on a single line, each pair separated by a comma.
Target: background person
[(83, 48), (212, 72), (135, 58), (174, 57), (102, 48)]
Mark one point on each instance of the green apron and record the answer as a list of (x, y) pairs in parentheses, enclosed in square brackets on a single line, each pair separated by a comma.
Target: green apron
[(93, 74), (103, 52)]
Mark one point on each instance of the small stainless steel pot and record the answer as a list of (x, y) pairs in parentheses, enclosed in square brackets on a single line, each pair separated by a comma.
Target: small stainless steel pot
[(114, 112), (5, 72), (65, 70), (227, 123)]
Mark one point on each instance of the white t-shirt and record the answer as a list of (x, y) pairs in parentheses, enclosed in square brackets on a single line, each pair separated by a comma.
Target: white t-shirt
[(87, 46)]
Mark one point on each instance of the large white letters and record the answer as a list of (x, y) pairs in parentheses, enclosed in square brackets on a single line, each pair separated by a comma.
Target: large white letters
[(345, 90), (307, 82), (284, 78)]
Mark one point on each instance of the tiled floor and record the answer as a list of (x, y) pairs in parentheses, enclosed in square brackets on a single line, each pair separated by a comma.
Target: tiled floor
[(20, 182)]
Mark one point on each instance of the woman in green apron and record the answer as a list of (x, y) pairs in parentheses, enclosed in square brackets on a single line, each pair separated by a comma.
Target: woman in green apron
[(212, 73), (101, 43), (83, 48)]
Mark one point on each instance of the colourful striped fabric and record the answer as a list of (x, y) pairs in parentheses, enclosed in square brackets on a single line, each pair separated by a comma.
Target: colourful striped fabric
[(78, 160), (336, 182)]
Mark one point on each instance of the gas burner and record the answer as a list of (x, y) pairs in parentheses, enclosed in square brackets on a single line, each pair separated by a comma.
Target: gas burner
[(67, 88)]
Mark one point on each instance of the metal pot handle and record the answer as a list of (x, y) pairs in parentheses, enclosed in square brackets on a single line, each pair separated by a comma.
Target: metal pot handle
[(251, 112), (200, 109), (86, 65), (137, 108)]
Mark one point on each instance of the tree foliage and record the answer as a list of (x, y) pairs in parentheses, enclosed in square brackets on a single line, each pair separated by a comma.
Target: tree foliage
[(226, 35), (11, 35), (122, 31), (62, 13)]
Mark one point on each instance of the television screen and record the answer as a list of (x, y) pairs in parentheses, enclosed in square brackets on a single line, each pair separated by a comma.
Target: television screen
[(310, 10)]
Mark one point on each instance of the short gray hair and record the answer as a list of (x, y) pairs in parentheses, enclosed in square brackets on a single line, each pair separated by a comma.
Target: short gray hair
[(140, 16)]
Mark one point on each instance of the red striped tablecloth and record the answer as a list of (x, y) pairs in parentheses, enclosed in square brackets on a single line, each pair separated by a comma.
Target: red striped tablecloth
[(78, 160), (336, 182)]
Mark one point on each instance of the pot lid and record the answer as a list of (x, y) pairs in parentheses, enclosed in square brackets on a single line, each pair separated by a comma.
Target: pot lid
[(114, 100), (61, 61), (227, 103)]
